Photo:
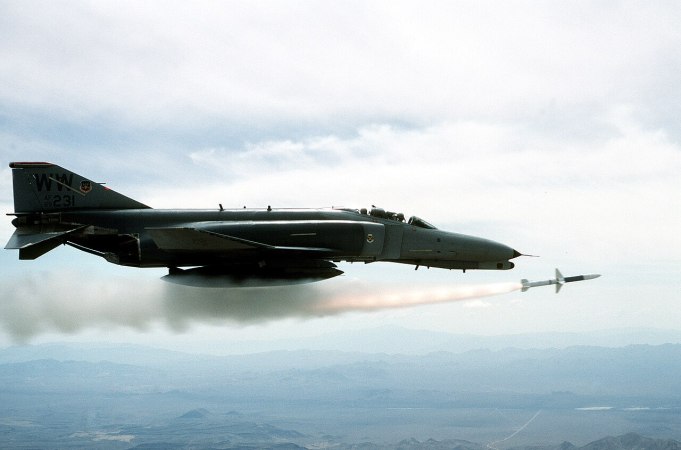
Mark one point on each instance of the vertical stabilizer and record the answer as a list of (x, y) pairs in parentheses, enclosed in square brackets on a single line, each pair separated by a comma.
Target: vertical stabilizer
[(46, 187)]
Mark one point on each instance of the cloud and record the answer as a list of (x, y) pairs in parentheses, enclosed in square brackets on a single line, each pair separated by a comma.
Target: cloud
[(189, 67)]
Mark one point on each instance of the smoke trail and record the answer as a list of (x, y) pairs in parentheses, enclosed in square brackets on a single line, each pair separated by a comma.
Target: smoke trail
[(42, 302), (184, 305), (65, 302)]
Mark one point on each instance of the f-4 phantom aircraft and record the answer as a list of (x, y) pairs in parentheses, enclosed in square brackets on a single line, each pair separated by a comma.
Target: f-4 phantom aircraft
[(224, 247)]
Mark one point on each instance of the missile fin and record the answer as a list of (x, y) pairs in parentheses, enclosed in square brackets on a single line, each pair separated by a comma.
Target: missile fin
[(559, 277), (526, 285), (560, 280)]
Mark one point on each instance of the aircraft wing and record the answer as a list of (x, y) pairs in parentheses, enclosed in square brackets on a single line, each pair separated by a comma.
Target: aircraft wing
[(33, 243), (196, 239)]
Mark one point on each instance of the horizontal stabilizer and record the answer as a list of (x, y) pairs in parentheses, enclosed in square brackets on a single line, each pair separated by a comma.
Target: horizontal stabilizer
[(33, 245)]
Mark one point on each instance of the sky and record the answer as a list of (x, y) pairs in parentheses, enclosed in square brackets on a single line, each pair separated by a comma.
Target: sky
[(549, 126)]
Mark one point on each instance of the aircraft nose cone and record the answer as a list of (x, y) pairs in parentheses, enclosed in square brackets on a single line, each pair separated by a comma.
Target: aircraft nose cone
[(471, 248), (498, 251)]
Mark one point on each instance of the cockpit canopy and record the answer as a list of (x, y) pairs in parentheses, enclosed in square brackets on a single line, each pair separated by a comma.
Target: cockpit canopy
[(418, 222), (398, 217)]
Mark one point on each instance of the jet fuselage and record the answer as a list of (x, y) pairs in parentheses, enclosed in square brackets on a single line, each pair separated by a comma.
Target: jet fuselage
[(55, 206)]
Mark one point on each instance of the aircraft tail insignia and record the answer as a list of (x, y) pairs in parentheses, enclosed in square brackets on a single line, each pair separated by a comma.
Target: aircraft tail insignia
[(46, 187)]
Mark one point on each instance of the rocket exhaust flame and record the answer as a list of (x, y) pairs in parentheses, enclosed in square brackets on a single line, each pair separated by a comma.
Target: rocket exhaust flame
[(414, 297)]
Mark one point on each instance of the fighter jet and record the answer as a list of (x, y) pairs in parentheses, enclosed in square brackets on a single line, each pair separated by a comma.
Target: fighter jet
[(559, 281), (222, 247)]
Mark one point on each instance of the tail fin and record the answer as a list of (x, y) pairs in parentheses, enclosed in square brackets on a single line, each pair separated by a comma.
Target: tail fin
[(526, 284), (46, 187)]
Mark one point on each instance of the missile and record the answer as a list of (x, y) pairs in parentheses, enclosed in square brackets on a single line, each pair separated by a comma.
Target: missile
[(559, 281)]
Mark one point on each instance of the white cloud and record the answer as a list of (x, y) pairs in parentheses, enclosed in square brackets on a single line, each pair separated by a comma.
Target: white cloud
[(182, 65)]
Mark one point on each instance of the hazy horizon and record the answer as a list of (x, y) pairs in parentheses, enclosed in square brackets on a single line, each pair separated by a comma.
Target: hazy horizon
[(386, 339)]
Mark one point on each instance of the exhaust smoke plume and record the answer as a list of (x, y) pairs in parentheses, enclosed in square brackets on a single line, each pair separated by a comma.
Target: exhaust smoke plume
[(66, 303)]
